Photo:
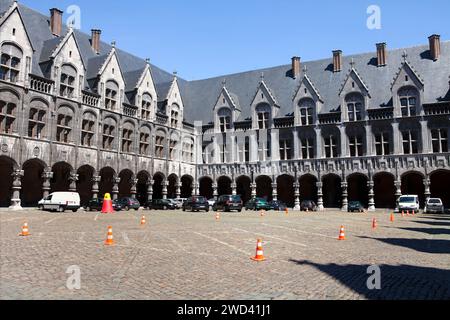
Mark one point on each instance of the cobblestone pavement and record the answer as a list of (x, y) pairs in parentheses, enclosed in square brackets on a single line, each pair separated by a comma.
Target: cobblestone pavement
[(192, 256)]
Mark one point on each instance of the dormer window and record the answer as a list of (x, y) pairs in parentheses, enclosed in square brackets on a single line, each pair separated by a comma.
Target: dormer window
[(11, 57), (111, 95), (263, 116), (306, 112), (67, 85), (174, 116), (408, 101), (224, 116), (146, 108), (355, 106)]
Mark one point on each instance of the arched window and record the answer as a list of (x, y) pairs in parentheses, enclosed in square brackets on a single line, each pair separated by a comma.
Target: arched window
[(306, 111), (355, 106), (88, 130), (36, 122), (10, 61), (224, 115), (174, 115), (409, 98), (188, 151), (127, 138), (64, 125), (7, 116), (144, 141), (68, 78), (111, 95), (263, 115), (146, 107), (108, 133), (160, 141)]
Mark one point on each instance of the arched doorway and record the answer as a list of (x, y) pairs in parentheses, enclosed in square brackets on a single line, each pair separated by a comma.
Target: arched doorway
[(6, 170), (126, 177), (206, 187), (186, 186), (286, 190), (224, 186), (106, 181), (158, 179), (384, 189), (308, 188), (412, 184), (358, 189), (264, 187), (142, 187), (172, 187), (85, 183), (332, 191), (32, 181), (61, 174), (440, 186), (243, 188)]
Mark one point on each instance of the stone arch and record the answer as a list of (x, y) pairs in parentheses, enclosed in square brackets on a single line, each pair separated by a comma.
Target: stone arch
[(412, 184), (32, 191), (85, 183), (440, 186), (186, 186), (172, 186), (206, 187), (107, 175), (286, 190), (7, 166), (358, 189), (125, 183), (159, 179), (224, 186), (61, 174), (308, 188), (332, 191), (243, 184), (384, 189), (264, 187), (143, 178)]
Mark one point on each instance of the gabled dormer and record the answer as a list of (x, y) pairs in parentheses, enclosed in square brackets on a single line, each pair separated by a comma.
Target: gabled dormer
[(407, 90), (16, 48), (307, 102), (355, 97), (226, 110), (174, 104), (66, 66), (264, 106)]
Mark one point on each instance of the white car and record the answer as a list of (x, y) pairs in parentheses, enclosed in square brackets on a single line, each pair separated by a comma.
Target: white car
[(61, 201), (409, 203), (211, 202), (434, 205)]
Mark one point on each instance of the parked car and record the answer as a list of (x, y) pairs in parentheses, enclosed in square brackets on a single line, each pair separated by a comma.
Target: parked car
[(228, 203), (196, 204), (308, 205), (278, 205), (408, 203), (258, 204), (61, 201), (160, 204), (434, 205), (175, 203), (211, 203), (355, 206), (129, 203), (97, 205), (180, 202)]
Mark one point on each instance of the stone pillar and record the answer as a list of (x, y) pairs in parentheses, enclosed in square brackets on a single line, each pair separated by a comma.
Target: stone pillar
[(425, 137), (47, 175), (253, 187), (320, 206), (296, 145), (115, 190), (73, 178), (150, 190), (344, 142), (178, 190), (196, 189), (133, 190), (95, 186), (16, 187), (427, 184), (369, 140), (397, 147), (297, 195), (215, 191), (344, 186), (398, 187), (234, 188), (371, 186), (319, 147), (275, 191), (165, 184)]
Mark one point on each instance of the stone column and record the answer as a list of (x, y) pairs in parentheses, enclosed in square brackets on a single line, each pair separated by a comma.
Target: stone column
[(369, 140), (371, 186), (275, 191), (47, 175), (344, 186), (425, 137), (319, 147), (196, 189), (297, 195), (344, 142), (427, 184), (115, 190), (320, 206), (150, 190), (397, 147), (234, 188), (95, 186), (133, 190), (178, 190), (165, 184), (73, 178), (16, 187), (253, 187), (296, 145), (398, 187)]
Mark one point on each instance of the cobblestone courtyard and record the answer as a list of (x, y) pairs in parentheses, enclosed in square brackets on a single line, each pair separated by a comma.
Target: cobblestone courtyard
[(192, 256)]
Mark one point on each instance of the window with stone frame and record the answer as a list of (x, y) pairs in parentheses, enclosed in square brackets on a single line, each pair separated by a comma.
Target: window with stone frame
[(127, 140), (439, 138), (144, 143), (7, 117), (87, 132), (408, 101), (67, 83), (36, 123), (382, 144), (331, 147), (10, 62), (263, 114), (355, 107), (108, 134), (410, 142), (307, 146), (64, 128), (306, 112), (174, 116), (159, 146), (285, 149), (173, 149), (188, 151), (111, 95), (224, 115), (356, 144), (247, 149), (146, 107)]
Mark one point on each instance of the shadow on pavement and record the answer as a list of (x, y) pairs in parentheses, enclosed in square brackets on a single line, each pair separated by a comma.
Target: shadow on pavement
[(402, 282), (421, 245)]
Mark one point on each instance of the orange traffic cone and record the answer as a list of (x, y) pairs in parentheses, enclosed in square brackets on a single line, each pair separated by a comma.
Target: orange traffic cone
[(259, 252), (109, 240), (262, 213), (407, 213), (143, 221), (107, 204), (342, 233), (392, 217), (403, 214), (217, 216), (286, 211), (374, 224), (25, 230)]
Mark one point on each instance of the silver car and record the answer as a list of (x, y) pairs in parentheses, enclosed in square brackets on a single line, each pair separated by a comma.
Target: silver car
[(434, 205)]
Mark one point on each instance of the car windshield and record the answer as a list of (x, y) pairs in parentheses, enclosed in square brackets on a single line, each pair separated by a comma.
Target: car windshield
[(199, 199), (236, 198), (407, 199), (434, 201)]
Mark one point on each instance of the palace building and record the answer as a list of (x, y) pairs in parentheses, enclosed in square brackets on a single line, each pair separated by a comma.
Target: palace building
[(77, 114)]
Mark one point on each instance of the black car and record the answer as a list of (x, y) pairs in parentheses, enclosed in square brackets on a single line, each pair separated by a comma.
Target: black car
[(355, 206), (308, 205), (129, 203), (278, 205), (97, 205), (228, 203), (196, 204), (160, 204)]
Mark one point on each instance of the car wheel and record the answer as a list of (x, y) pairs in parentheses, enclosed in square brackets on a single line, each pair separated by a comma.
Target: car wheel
[(41, 208), (127, 208), (60, 209), (88, 209), (164, 208)]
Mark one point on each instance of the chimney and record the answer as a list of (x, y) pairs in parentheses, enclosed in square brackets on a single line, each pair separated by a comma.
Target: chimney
[(381, 54), (435, 46), (56, 21), (337, 60), (95, 40), (295, 67)]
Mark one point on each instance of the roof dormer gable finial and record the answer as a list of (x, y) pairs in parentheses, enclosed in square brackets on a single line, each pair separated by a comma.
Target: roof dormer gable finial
[(405, 55), (224, 82), (352, 63), (305, 69), (113, 43)]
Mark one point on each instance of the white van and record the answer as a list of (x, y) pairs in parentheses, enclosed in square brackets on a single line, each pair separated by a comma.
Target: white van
[(409, 203), (61, 201)]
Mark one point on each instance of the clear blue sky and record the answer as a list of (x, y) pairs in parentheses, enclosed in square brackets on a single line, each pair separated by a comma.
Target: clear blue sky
[(207, 38)]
